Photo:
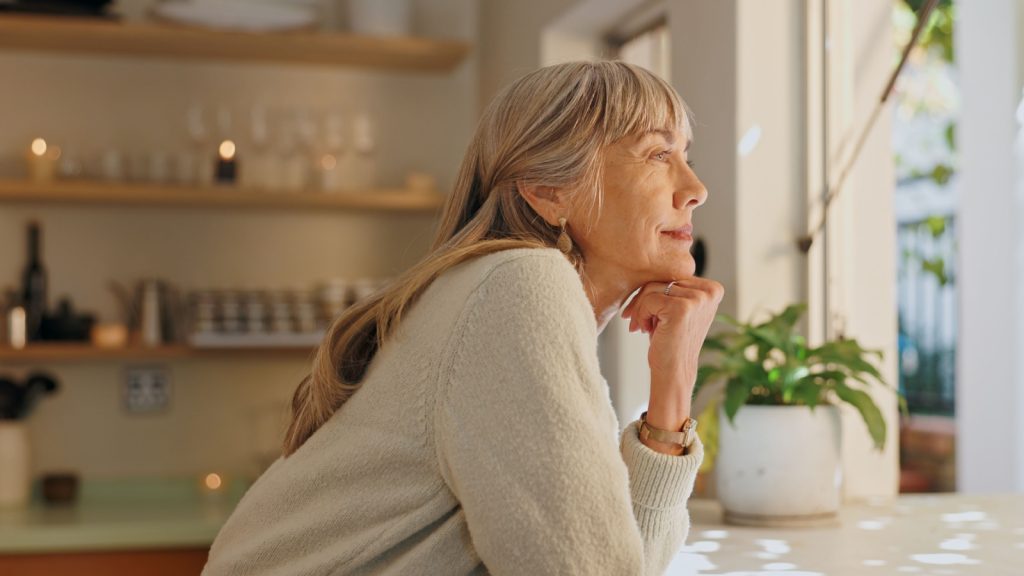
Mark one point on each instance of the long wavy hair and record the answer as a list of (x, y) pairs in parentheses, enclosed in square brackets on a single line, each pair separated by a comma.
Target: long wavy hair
[(548, 128)]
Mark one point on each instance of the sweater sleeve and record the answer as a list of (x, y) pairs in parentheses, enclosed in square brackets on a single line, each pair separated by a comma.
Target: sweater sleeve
[(526, 436)]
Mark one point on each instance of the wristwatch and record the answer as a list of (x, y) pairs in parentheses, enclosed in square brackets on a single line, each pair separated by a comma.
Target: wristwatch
[(683, 437)]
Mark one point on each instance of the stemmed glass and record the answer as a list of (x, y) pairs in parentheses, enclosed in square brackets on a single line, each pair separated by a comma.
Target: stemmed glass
[(193, 167)]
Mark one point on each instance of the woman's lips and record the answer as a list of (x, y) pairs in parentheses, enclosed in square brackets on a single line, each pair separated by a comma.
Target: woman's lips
[(681, 233)]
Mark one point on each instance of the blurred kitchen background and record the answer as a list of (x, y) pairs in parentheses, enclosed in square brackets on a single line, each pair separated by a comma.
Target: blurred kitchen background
[(190, 190)]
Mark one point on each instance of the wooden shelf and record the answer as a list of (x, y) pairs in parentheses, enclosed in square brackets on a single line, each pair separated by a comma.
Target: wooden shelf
[(84, 35), (77, 352), (115, 193)]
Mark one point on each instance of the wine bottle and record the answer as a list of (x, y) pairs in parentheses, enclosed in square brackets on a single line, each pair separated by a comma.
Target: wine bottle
[(34, 286)]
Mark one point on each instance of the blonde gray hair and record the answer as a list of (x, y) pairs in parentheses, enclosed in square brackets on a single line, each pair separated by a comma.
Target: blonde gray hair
[(548, 128)]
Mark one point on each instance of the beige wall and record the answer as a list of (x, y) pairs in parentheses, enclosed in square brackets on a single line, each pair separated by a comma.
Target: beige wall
[(511, 35), (89, 103), (862, 240), (990, 240)]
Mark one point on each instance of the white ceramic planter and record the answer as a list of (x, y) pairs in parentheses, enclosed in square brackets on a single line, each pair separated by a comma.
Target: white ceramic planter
[(780, 466), (15, 464), (380, 17)]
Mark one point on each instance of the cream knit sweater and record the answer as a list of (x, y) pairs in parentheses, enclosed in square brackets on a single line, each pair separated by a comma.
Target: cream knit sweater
[(483, 440)]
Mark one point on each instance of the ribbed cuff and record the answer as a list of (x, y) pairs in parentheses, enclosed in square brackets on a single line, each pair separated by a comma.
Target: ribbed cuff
[(659, 480)]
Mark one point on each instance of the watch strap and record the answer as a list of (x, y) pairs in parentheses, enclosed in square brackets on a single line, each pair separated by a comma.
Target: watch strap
[(683, 437)]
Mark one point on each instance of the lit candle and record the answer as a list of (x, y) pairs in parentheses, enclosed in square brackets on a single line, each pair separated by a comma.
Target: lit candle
[(42, 161), (213, 486), (227, 163), (213, 481)]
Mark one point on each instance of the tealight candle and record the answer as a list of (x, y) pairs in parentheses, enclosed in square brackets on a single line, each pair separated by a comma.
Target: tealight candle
[(213, 486), (42, 161), (227, 163)]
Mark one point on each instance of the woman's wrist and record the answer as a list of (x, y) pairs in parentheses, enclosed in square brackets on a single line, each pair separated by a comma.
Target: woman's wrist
[(668, 419), (668, 409), (668, 412)]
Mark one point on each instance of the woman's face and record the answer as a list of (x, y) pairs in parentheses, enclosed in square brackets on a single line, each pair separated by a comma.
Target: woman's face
[(650, 193)]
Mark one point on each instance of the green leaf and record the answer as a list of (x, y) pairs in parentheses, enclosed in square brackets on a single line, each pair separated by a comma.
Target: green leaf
[(827, 375), (706, 373), (722, 317), (808, 394), (936, 225), (791, 315), (712, 343), (936, 266), (941, 174), (904, 409), (846, 353), (809, 389), (753, 375), (768, 338), (777, 331), (869, 411), (793, 377), (951, 135), (736, 394)]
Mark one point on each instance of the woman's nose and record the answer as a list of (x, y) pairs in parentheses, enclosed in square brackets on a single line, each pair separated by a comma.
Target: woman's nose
[(691, 192)]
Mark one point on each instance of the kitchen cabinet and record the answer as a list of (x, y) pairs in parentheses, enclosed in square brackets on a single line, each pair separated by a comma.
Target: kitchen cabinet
[(183, 562)]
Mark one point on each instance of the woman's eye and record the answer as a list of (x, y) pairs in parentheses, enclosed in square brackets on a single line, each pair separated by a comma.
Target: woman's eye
[(691, 164), (663, 155)]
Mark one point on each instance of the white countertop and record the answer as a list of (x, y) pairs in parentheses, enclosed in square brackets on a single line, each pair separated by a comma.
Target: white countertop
[(942, 534)]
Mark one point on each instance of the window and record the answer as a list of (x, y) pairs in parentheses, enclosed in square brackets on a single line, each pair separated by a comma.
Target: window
[(647, 46)]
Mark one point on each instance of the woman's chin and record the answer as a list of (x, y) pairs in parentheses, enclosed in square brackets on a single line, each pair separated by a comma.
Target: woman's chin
[(683, 268), (675, 271)]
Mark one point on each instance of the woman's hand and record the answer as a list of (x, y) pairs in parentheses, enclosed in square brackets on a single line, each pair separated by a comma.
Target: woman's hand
[(677, 323)]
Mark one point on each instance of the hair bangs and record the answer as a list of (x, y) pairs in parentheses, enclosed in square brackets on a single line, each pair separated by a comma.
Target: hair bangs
[(644, 102)]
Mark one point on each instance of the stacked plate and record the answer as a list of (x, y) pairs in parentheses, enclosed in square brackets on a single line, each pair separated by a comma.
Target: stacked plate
[(248, 15)]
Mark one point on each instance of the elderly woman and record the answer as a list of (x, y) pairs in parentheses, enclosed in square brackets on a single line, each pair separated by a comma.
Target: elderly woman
[(457, 422)]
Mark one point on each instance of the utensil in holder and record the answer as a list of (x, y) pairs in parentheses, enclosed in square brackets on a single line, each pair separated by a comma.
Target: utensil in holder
[(15, 464)]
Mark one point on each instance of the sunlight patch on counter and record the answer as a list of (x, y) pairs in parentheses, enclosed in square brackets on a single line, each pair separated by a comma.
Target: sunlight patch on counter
[(944, 559)]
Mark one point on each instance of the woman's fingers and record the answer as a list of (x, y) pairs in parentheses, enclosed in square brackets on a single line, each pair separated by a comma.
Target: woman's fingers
[(678, 323), (651, 301)]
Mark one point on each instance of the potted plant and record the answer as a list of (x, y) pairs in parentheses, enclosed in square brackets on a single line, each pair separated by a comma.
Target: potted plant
[(778, 459)]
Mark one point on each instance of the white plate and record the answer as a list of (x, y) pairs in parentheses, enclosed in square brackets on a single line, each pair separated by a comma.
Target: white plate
[(236, 14)]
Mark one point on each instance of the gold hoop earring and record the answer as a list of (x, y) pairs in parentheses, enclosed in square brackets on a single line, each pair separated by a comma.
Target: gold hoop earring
[(564, 242)]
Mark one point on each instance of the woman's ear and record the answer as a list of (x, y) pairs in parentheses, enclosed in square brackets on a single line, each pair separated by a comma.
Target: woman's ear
[(547, 201)]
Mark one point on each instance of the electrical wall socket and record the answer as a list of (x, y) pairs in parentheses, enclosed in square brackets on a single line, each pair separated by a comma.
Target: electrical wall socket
[(146, 390)]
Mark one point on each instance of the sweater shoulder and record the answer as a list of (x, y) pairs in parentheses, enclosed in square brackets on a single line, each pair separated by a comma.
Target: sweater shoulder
[(523, 266), (531, 280)]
